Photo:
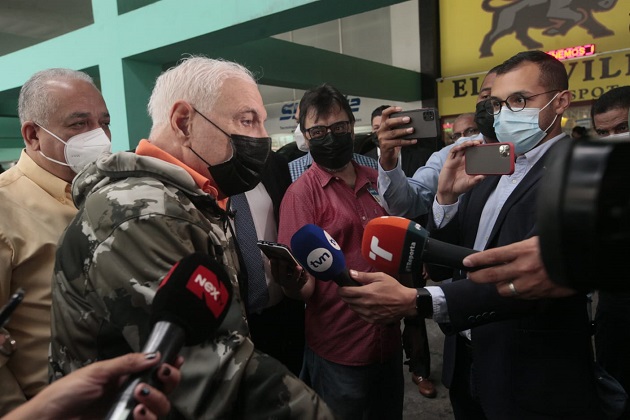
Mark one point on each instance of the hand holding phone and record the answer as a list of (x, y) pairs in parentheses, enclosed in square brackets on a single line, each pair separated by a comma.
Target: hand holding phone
[(490, 159), (284, 273), (424, 122)]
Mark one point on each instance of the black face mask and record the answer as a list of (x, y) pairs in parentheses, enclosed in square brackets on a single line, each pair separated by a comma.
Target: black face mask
[(332, 152), (485, 121), (243, 170)]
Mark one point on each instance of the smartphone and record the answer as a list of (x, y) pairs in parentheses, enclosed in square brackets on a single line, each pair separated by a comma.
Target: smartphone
[(490, 159), (425, 123), (278, 251), (7, 310)]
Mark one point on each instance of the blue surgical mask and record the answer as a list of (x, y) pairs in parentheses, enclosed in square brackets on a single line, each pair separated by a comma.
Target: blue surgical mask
[(521, 127)]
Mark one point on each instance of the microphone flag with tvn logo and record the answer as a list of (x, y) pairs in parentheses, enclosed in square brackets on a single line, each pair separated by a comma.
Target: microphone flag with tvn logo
[(321, 255)]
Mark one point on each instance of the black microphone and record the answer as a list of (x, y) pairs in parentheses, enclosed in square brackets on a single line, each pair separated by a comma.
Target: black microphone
[(188, 307)]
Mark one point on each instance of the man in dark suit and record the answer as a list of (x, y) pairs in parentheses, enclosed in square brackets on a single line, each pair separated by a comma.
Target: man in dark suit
[(521, 359), (276, 322)]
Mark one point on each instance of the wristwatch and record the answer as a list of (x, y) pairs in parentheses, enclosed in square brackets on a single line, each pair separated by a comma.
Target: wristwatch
[(424, 303)]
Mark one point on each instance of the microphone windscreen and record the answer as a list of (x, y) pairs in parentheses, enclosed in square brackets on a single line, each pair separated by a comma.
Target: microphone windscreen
[(318, 252), (394, 244), (195, 294)]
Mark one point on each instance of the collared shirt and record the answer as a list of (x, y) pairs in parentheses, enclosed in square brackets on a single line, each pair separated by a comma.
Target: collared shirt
[(333, 331), (298, 166), (35, 208), (507, 184), (261, 208)]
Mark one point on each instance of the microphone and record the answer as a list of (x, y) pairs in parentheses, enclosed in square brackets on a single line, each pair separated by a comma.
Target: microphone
[(399, 245), (188, 307), (321, 255)]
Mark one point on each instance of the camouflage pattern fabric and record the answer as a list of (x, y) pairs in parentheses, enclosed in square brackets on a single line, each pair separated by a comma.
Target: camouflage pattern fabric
[(137, 217)]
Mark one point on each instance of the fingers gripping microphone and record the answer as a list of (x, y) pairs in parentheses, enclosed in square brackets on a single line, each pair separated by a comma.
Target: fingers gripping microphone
[(321, 255), (399, 245), (188, 308)]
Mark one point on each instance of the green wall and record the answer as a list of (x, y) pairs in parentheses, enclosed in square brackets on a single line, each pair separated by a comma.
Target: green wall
[(131, 42)]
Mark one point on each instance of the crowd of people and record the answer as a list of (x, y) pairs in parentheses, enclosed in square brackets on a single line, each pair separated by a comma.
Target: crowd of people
[(90, 234)]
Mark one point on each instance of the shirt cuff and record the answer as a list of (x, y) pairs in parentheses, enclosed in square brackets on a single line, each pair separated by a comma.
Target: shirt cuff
[(440, 308), (443, 214)]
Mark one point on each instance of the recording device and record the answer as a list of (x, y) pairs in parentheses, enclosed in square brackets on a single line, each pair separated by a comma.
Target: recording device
[(398, 245), (7, 310), (584, 213), (188, 307), (277, 251), (321, 255), (425, 123), (490, 159)]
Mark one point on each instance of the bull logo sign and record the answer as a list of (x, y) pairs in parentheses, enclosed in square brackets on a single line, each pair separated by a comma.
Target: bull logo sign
[(555, 17)]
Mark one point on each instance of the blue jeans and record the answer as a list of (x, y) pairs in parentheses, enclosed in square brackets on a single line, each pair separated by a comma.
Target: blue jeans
[(357, 392)]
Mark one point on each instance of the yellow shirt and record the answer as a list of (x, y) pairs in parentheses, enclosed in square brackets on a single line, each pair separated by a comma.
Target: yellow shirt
[(35, 208)]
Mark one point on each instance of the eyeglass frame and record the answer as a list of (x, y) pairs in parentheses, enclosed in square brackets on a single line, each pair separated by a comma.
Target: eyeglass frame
[(489, 101), (328, 128), (466, 133)]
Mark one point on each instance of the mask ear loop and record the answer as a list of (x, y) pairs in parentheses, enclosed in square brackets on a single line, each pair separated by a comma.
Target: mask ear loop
[(57, 137), (554, 118), (218, 128)]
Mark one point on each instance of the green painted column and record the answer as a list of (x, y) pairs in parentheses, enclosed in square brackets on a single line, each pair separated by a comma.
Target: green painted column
[(139, 79)]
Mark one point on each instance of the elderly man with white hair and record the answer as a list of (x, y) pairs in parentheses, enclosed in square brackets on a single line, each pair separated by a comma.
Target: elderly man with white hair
[(140, 213)]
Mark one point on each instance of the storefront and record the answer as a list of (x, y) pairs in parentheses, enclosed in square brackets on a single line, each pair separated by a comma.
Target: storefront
[(590, 37)]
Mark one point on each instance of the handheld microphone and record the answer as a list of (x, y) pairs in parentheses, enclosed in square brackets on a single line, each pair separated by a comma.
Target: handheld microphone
[(321, 255), (188, 307), (399, 245)]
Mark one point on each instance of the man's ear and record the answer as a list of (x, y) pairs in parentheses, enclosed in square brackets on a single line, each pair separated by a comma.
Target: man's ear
[(563, 101), (30, 134), (180, 116)]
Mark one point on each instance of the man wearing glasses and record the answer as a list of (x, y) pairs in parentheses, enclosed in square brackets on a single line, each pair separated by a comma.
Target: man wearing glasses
[(524, 358), (355, 366), (464, 126)]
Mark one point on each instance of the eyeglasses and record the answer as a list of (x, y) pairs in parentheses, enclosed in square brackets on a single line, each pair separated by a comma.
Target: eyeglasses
[(338, 128), (470, 131), (514, 103)]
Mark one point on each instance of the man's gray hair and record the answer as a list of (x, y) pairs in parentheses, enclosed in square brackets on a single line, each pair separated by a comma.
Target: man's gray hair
[(196, 80), (35, 102)]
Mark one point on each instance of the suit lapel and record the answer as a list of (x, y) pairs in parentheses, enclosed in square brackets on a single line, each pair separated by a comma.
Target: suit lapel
[(529, 181)]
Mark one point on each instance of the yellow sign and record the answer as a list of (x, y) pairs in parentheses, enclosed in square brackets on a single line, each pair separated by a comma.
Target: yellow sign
[(477, 35)]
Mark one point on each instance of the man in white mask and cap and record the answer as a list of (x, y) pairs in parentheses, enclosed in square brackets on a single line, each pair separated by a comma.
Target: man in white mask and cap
[(65, 126)]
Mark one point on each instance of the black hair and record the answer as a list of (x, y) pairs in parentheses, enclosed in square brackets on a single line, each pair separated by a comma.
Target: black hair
[(615, 98), (378, 112), (322, 100), (580, 131), (553, 75)]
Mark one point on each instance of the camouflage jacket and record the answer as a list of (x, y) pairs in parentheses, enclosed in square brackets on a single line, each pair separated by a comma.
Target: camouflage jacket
[(137, 217)]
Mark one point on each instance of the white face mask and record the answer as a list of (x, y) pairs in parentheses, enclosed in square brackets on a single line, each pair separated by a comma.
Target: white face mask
[(477, 136), (82, 149), (299, 139), (521, 127)]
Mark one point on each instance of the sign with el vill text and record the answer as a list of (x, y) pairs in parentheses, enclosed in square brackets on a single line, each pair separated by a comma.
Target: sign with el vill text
[(591, 37), (589, 78)]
